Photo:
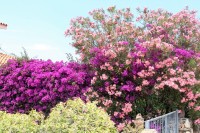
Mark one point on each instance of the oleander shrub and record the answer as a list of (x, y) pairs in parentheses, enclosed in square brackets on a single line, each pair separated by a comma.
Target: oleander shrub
[(148, 64), (139, 82), (40, 85), (74, 116), (20, 123)]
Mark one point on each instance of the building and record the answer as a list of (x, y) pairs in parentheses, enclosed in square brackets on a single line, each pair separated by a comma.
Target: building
[(4, 58), (3, 26)]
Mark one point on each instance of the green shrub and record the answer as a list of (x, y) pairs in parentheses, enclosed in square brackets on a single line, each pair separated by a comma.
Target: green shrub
[(75, 116), (20, 123)]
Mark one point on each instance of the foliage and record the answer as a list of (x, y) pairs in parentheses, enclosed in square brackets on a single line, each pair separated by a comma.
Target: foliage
[(139, 82), (108, 28), (24, 55), (40, 85), (71, 116), (70, 58), (76, 116), (20, 123), (145, 65)]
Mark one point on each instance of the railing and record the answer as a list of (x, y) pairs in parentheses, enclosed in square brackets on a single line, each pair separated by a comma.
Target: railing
[(167, 123)]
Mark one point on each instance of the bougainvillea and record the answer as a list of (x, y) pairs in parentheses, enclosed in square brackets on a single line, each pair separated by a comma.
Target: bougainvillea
[(148, 67), (40, 85)]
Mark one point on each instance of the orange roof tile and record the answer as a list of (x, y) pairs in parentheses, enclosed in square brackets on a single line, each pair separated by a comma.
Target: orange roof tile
[(4, 58)]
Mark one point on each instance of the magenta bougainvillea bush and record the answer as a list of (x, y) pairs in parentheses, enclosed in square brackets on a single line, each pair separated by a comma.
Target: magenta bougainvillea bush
[(40, 85), (147, 65)]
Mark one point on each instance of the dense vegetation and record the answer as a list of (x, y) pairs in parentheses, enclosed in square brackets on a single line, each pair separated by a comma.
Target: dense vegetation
[(69, 117), (40, 85), (148, 65)]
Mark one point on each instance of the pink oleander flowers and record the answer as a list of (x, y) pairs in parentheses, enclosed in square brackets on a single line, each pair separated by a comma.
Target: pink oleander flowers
[(148, 65)]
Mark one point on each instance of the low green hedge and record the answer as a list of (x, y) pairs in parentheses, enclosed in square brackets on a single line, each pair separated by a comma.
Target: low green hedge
[(73, 116), (20, 123), (78, 117)]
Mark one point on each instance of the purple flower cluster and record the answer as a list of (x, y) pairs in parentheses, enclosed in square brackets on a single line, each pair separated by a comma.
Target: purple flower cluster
[(184, 53), (40, 85), (98, 57)]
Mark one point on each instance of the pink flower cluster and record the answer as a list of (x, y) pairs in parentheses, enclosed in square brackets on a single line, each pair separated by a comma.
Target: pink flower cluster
[(119, 89), (138, 65)]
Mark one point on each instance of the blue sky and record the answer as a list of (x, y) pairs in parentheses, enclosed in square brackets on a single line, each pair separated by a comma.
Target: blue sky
[(39, 25)]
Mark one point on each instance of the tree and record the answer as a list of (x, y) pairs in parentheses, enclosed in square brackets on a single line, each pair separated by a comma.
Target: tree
[(149, 64)]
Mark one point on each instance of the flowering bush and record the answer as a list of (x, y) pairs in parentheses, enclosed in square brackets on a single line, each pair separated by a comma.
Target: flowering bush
[(180, 29), (149, 67), (140, 82), (40, 85)]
